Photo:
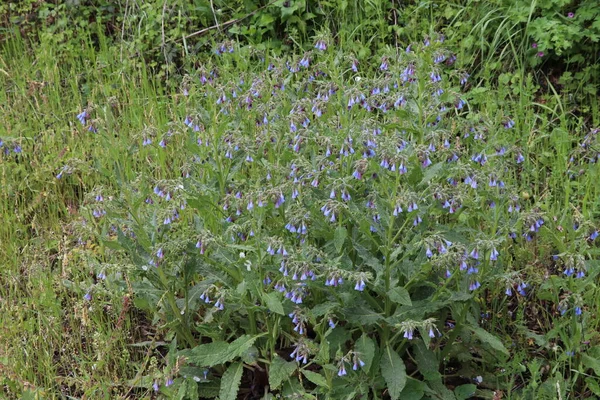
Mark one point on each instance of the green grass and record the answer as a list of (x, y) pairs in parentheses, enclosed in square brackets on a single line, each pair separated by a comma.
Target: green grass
[(55, 344)]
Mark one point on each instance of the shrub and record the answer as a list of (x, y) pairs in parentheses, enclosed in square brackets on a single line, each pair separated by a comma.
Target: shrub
[(327, 219)]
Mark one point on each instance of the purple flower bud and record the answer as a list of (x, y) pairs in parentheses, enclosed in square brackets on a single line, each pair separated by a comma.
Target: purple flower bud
[(494, 255), (474, 254)]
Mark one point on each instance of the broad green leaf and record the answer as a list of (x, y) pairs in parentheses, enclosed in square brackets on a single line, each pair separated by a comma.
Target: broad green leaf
[(366, 350), (367, 257), (230, 381), (464, 392), (339, 237), (323, 308), (426, 362), (442, 392), (593, 385), (399, 295), (315, 378), (490, 339), (592, 363), (393, 371), (209, 390), (414, 390), (187, 390), (273, 303), (362, 315), (279, 371), (323, 354), (218, 352), (431, 172)]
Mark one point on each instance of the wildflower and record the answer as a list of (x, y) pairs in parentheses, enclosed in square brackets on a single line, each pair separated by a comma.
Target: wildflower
[(155, 386), (358, 363), (169, 382), (578, 310), (304, 62), (82, 117), (570, 15), (474, 254), (321, 45), (494, 254), (360, 285), (521, 288), (342, 370), (508, 291), (408, 333), (300, 353), (474, 285), (87, 296), (540, 54)]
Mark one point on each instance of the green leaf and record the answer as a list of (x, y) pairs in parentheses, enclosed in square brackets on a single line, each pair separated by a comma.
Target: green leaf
[(279, 371), (394, 372), (230, 382), (431, 172), (464, 392), (323, 354), (219, 352), (490, 339), (593, 385), (273, 303), (266, 19), (426, 362), (315, 378), (591, 362), (366, 350), (362, 315), (414, 390), (367, 257), (399, 295), (339, 237), (112, 244)]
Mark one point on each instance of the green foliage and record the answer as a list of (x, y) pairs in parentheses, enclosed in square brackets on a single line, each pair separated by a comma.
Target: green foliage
[(251, 223)]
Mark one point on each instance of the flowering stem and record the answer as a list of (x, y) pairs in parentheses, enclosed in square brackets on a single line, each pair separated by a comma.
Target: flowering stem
[(182, 329), (388, 273)]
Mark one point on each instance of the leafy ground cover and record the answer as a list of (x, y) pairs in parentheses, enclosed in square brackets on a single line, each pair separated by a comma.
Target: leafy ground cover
[(335, 221)]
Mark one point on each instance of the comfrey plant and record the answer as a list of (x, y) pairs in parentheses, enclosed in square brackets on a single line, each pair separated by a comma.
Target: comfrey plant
[(326, 224)]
